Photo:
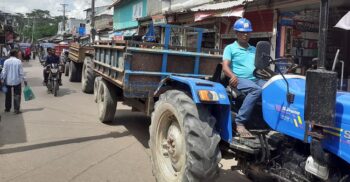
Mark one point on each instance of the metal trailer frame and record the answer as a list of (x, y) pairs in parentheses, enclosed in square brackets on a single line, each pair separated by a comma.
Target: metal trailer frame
[(138, 71)]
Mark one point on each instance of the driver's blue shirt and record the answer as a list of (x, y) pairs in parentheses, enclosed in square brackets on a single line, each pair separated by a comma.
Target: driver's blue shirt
[(241, 60), (52, 59)]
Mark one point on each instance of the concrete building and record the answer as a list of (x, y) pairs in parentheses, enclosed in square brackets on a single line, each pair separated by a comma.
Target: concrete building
[(72, 27)]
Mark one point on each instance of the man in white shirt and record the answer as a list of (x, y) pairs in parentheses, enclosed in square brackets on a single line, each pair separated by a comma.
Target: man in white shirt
[(12, 76)]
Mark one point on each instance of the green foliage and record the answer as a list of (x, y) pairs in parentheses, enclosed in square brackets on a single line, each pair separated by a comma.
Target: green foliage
[(37, 24)]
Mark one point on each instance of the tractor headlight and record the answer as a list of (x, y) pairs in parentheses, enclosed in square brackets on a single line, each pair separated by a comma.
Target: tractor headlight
[(208, 96)]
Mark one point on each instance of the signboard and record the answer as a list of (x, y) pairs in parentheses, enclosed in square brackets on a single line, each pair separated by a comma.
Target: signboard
[(124, 33), (137, 10), (118, 38), (82, 31), (159, 20)]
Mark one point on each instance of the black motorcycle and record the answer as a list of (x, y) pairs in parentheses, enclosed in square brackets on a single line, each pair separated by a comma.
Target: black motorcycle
[(53, 78)]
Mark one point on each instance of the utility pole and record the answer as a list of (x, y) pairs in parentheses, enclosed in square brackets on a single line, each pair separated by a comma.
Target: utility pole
[(33, 28), (93, 31), (64, 16)]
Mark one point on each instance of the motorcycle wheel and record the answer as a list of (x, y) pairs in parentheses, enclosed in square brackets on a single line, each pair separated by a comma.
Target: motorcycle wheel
[(55, 88)]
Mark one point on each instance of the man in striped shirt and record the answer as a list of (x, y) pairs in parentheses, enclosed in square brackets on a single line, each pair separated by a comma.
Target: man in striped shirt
[(12, 76)]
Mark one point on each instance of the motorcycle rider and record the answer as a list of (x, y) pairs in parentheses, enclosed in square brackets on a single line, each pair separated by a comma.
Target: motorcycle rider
[(238, 65), (51, 59)]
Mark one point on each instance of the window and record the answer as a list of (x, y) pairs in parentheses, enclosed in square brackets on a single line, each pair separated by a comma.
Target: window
[(137, 11)]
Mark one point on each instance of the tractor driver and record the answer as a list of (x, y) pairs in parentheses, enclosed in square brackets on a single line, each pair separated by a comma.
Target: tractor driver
[(238, 65)]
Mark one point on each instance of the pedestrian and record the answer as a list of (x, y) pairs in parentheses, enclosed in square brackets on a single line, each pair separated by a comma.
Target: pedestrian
[(4, 52), (20, 55), (27, 53), (34, 51), (12, 76)]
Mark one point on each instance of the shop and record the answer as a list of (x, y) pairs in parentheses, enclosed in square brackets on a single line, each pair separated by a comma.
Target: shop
[(262, 21), (298, 34)]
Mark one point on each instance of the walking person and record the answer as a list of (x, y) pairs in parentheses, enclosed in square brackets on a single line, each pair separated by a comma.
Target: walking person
[(12, 76)]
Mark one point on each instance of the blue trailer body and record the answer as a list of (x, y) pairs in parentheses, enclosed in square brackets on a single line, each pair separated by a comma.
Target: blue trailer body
[(139, 70)]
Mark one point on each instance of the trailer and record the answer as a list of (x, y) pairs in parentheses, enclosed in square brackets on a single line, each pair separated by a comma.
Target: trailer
[(76, 57), (137, 74)]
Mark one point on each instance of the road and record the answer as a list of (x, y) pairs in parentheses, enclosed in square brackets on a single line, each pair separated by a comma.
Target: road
[(61, 139)]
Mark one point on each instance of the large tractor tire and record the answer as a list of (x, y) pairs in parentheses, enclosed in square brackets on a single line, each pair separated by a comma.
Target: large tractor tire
[(107, 102), (66, 69), (74, 72), (87, 76), (183, 141), (96, 85)]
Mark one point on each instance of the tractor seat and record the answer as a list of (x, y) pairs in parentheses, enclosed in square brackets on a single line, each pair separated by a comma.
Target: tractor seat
[(220, 77)]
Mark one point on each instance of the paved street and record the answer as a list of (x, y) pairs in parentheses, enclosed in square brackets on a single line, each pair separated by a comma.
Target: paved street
[(61, 139)]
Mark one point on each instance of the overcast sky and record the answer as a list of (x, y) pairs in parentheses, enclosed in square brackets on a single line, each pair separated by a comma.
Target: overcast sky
[(75, 7)]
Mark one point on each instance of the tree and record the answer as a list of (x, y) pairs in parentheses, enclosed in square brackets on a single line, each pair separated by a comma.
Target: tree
[(37, 24), (21, 22)]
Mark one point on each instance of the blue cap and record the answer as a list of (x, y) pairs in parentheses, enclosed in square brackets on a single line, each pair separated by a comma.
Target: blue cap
[(243, 25)]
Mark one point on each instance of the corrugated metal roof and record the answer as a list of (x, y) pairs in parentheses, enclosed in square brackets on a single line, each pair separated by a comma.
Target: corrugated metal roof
[(220, 6), (105, 12)]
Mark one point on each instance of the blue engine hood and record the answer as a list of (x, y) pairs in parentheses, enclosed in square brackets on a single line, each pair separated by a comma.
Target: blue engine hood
[(289, 118)]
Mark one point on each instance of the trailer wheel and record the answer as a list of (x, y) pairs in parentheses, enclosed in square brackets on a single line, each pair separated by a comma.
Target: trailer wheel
[(87, 76), (66, 69), (183, 140), (74, 72), (106, 100), (96, 85)]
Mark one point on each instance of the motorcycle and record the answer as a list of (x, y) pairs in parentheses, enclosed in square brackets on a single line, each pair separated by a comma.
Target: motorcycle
[(53, 78)]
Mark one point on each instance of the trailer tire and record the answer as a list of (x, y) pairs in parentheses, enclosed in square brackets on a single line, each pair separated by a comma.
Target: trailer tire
[(74, 72), (183, 141), (96, 85), (87, 76), (66, 69), (107, 104)]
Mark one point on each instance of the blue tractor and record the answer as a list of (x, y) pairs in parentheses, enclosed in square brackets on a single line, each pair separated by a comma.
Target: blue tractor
[(301, 126)]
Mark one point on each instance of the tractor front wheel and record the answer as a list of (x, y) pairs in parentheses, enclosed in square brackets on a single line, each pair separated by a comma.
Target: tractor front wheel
[(183, 140)]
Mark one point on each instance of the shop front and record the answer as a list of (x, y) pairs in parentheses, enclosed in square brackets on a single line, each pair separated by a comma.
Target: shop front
[(298, 34), (262, 22)]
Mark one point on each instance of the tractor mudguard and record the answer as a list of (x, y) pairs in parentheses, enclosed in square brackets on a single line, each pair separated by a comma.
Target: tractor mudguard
[(221, 109)]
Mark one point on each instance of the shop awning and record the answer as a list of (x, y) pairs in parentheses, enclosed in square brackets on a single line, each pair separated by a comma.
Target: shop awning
[(223, 9), (233, 12), (220, 6), (344, 23)]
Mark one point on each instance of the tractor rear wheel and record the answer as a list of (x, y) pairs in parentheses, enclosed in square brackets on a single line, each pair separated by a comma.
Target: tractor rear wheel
[(96, 85), (107, 103), (87, 76), (66, 69), (183, 141), (74, 72)]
